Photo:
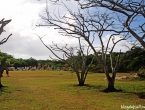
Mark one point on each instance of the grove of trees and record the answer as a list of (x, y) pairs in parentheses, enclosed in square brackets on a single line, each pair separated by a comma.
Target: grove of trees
[(89, 24)]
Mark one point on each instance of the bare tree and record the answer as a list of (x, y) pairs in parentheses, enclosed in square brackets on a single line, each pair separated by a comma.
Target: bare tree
[(75, 57), (90, 27), (3, 23), (130, 14)]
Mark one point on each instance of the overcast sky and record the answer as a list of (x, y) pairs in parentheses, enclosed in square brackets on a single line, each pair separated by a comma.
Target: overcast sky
[(24, 42)]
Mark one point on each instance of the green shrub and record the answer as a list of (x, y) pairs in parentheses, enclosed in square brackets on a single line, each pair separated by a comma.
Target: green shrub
[(141, 73)]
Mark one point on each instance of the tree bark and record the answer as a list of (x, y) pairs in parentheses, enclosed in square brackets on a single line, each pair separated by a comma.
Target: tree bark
[(2, 67), (81, 83), (0, 83), (110, 88), (111, 82)]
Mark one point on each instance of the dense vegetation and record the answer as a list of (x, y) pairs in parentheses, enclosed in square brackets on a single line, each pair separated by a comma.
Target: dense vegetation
[(19, 62), (133, 63)]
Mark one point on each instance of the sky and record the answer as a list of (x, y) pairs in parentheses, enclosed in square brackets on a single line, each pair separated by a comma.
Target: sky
[(24, 43)]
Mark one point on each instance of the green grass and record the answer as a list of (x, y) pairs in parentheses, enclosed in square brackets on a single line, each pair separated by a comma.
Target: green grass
[(57, 90)]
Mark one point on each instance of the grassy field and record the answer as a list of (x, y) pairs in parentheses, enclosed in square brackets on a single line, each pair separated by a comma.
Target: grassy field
[(57, 90)]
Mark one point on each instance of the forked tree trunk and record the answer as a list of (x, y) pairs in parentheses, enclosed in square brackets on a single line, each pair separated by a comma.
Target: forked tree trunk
[(81, 81), (81, 78)]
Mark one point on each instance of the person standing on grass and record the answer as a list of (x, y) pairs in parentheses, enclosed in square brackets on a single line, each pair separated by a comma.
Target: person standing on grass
[(7, 71)]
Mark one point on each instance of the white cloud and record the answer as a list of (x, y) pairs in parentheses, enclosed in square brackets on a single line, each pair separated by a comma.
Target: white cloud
[(24, 41), (122, 45)]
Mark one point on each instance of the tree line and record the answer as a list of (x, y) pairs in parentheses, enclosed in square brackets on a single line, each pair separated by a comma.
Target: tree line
[(133, 63), (19, 62)]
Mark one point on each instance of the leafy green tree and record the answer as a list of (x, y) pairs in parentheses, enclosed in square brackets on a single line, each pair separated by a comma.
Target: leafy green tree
[(5, 55), (136, 59), (31, 62)]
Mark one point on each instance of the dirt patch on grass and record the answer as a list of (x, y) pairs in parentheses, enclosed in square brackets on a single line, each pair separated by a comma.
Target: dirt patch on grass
[(127, 77)]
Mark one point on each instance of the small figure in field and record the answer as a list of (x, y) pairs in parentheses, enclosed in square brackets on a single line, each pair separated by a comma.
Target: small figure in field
[(7, 71)]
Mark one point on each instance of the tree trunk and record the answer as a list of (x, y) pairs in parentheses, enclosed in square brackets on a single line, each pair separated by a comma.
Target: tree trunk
[(110, 88), (0, 83), (2, 67), (81, 83), (111, 82), (82, 78)]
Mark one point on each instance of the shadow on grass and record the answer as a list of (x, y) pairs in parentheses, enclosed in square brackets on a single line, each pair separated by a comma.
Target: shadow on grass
[(3, 89), (107, 90), (88, 86), (100, 88), (140, 95)]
